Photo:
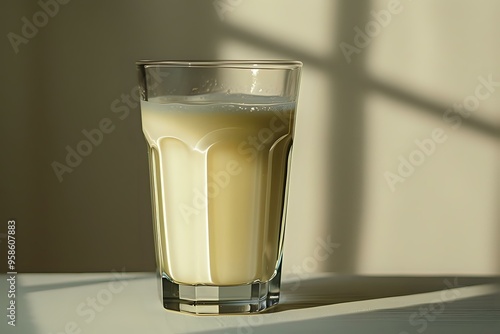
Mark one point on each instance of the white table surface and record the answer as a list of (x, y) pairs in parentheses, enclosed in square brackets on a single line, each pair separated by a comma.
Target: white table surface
[(129, 303)]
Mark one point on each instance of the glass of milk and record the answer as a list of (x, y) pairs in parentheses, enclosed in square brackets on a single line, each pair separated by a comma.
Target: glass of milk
[(219, 135)]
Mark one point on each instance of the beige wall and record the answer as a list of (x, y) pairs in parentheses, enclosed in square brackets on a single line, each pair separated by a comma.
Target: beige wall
[(355, 119)]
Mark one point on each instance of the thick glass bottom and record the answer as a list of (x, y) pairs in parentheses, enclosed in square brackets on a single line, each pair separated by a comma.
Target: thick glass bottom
[(208, 299)]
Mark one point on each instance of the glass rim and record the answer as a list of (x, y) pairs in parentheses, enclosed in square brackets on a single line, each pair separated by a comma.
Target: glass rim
[(242, 64)]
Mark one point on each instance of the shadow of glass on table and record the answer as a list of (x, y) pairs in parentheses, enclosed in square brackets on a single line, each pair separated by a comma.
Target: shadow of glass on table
[(327, 290)]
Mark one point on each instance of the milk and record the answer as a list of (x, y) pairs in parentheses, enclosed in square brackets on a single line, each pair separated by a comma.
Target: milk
[(218, 176)]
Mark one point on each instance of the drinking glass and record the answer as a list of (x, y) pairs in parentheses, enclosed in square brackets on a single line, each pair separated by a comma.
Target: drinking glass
[(219, 135)]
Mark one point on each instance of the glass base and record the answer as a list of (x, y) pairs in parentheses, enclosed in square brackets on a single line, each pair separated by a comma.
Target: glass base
[(208, 299)]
